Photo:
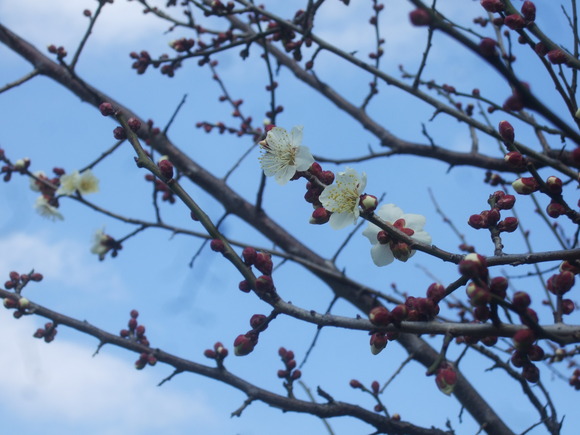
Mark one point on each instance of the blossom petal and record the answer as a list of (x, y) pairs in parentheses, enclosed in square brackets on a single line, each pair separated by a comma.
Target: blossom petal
[(389, 213), (339, 221), (382, 255), (296, 135), (371, 232), (284, 175), (304, 158), (415, 221)]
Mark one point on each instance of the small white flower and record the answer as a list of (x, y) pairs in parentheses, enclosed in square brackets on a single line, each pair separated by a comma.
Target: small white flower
[(85, 183), (46, 210), (411, 224), (342, 198), (33, 183), (100, 243), (283, 155)]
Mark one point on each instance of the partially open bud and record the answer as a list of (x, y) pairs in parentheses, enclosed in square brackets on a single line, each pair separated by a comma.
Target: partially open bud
[(506, 131), (380, 316), (525, 185), (166, 168), (368, 203), (436, 292), (478, 296), (446, 379), (244, 344), (378, 343), (474, 266), (554, 184)]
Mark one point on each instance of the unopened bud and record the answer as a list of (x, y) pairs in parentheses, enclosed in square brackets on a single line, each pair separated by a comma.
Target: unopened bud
[(166, 168), (506, 131), (368, 203)]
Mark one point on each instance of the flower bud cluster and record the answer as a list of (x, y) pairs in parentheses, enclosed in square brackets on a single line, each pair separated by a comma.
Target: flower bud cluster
[(60, 51), (290, 373), (262, 261), (525, 353), (318, 181), (245, 343), (48, 333), (491, 218), (135, 332), (218, 353), (145, 358), (20, 166)]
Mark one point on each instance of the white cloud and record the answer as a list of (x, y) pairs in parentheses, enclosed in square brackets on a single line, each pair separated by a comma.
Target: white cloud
[(61, 385), (61, 22)]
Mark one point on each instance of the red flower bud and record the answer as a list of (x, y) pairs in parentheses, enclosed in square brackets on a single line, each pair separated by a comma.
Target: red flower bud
[(567, 306), (258, 321), (492, 5), (521, 301), (355, 384), (399, 313), (506, 131), (106, 109), (508, 225), (264, 284), (515, 22), (320, 216), (217, 245), (263, 263), (498, 286), (134, 124), (477, 221), (560, 283), (557, 57), (119, 133), (523, 339), (555, 209), (244, 286), (487, 47), (506, 202), (531, 373), (249, 255), (420, 17), (529, 11)]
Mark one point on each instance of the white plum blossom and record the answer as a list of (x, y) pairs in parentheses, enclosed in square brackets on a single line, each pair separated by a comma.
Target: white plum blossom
[(83, 183), (342, 198), (46, 210), (101, 243), (410, 224), (283, 155)]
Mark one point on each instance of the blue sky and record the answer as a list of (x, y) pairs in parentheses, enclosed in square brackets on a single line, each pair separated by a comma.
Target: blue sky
[(61, 388)]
